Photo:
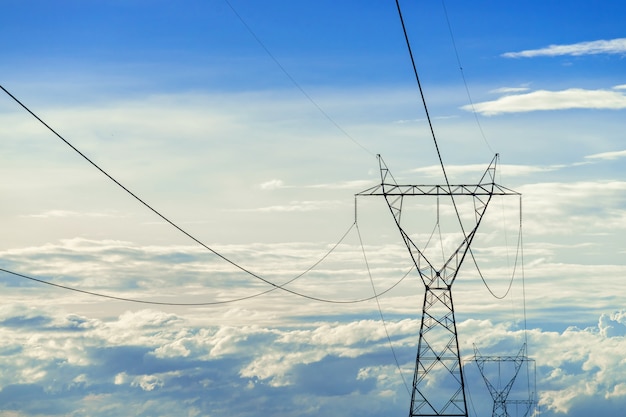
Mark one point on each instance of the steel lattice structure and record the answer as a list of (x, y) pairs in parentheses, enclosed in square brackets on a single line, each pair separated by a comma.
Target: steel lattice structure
[(500, 395), (438, 384)]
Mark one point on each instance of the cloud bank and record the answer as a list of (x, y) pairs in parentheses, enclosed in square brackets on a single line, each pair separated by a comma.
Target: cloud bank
[(148, 362)]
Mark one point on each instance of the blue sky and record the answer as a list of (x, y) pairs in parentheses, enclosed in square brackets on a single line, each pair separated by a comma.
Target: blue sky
[(252, 125)]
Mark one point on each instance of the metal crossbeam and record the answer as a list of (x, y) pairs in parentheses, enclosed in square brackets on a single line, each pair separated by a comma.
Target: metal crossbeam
[(475, 190)]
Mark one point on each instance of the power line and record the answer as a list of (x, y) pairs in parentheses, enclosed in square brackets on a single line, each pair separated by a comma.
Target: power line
[(293, 80), (519, 259), (274, 287), (332, 249), (380, 311), (112, 297), (145, 204), (432, 131), (500, 297), (435, 138), (430, 124), (163, 217), (523, 278), (458, 60), (155, 211), (208, 303), (421, 90)]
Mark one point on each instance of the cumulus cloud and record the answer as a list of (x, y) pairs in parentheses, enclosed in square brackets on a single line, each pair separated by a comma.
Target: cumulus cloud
[(572, 98), (156, 360), (610, 46), (613, 325), (129, 368), (147, 382), (282, 350), (582, 366)]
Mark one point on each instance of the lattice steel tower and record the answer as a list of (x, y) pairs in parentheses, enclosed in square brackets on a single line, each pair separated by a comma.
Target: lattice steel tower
[(500, 394), (438, 384)]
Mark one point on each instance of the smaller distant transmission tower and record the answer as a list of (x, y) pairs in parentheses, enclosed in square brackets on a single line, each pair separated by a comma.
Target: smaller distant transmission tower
[(438, 384), (498, 393)]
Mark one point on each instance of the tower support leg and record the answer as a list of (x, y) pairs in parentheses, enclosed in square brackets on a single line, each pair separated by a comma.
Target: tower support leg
[(438, 387)]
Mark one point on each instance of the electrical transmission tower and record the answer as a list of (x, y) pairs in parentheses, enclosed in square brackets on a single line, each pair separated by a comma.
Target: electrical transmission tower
[(438, 384), (500, 394)]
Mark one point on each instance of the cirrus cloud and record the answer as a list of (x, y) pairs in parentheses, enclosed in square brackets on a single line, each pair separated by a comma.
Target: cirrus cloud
[(608, 155), (571, 98), (611, 46)]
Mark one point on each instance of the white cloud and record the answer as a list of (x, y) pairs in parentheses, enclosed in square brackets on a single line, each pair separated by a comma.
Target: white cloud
[(121, 378), (573, 208), (506, 90), (476, 170), (296, 206), (276, 366), (611, 46), (68, 213), (147, 382), (585, 365), (613, 325), (608, 155), (572, 364), (147, 319), (573, 98), (200, 158), (272, 184), (343, 185)]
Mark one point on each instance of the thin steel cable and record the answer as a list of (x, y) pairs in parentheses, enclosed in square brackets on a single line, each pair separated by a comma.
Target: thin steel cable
[(458, 60), (159, 214), (209, 303), (431, 237), (112, 297), (506, 235), (518, 251), (443, 255), (523, 278), (332, 249), (506, 239), (437, 146), (294, 82), (421, 90), (134, 300), (380, 311), (430, 124), (443, 169), (276, 287), (471, 400)]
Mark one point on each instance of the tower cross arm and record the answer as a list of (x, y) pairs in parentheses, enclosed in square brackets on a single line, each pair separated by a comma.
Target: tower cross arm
[(484, 189)]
